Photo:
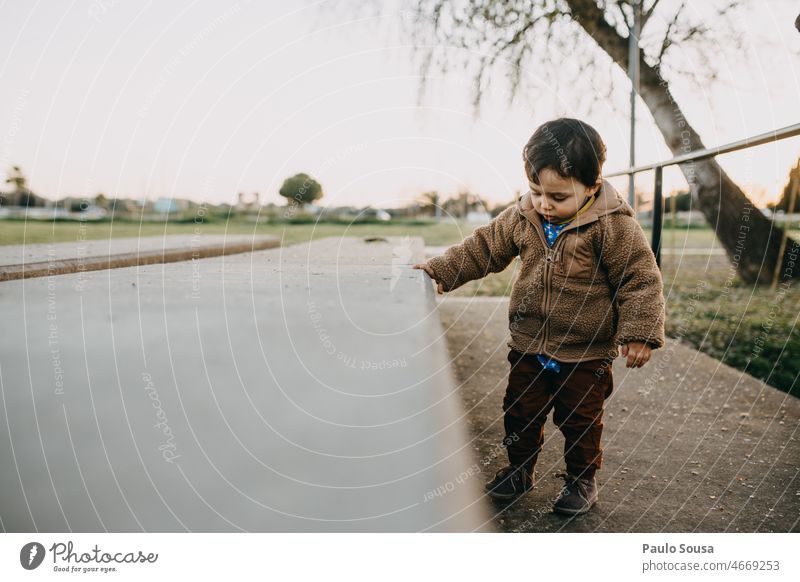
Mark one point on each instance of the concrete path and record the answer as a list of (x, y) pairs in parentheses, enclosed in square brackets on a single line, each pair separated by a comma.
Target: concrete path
[(40, 260), (304, 388), (690, 444)]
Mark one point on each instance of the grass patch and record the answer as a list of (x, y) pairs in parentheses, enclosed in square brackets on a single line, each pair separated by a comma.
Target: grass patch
[(744, 326), (31, 232)]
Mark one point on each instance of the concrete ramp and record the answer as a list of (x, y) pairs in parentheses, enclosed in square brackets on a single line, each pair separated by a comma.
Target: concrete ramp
[(305, 388)]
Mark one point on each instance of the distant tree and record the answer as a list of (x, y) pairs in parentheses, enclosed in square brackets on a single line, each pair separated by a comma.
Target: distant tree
[(117, 205), (28, 198), (78, 204), (21, 195), (100, 200), (497, 209), (301, 189), (17, 178), (432, 204), (463, 203), (683, 201)]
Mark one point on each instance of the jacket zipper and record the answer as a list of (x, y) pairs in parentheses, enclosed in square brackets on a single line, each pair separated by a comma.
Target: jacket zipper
[(546, 308), (550, 258), (547, 290)]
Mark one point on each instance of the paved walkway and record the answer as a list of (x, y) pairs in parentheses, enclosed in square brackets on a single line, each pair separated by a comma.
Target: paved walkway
[(690, 444), (304, 388)]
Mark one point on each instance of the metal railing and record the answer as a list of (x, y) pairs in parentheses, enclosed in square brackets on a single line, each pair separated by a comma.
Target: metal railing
[(658, 198)]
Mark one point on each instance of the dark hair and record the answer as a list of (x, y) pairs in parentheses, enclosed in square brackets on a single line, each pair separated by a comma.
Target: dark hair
[(571, 147)]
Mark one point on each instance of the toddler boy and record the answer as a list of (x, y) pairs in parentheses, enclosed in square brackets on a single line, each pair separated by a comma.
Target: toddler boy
[(588, 282)]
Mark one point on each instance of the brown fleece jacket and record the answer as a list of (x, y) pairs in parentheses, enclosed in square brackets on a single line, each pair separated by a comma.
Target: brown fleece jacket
[(597, 287)]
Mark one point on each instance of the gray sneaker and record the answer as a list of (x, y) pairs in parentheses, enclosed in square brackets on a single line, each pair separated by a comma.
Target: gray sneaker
[(577, 497), (509, 482)]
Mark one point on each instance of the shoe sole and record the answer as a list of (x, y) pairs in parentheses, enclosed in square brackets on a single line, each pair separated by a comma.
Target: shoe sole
[(505, 496), (573, 512)]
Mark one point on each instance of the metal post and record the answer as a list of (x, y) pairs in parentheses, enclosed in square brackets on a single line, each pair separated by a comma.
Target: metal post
[(658, 215), (785, 234), (633, 73)]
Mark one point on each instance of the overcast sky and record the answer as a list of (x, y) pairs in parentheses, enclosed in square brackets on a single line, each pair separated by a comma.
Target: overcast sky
[(205, 99)]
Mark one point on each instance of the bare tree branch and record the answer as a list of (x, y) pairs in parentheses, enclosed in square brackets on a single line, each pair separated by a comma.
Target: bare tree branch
[(627, 12), (648, 12), (667, 42)]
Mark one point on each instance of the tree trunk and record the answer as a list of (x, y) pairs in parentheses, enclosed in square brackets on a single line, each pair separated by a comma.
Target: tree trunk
[(751, 240)]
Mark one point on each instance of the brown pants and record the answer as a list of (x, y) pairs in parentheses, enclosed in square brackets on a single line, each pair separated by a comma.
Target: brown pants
[(577, 393)]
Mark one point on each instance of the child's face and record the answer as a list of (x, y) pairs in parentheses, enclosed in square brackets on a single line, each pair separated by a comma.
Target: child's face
[(557, 198)]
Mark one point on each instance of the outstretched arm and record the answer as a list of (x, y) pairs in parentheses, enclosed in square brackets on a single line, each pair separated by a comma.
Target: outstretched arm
[(489, 249)]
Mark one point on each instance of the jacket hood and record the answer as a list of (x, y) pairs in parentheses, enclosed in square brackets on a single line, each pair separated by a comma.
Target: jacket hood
[(608, 202)]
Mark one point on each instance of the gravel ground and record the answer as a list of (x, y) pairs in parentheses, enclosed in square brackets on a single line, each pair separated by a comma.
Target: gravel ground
[(691, 445)]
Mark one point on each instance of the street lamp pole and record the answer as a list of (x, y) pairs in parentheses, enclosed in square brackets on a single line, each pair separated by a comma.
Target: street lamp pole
[(633, 73)]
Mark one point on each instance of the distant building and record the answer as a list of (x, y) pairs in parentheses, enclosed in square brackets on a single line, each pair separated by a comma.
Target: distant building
[(478, 217), (94, 212), (169, 205)]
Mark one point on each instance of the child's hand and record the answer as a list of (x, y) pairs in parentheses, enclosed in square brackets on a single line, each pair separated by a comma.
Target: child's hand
[(427, 269), (638, 354)]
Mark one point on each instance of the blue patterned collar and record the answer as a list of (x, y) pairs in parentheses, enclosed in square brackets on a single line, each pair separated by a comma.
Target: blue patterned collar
[(551, 231)]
